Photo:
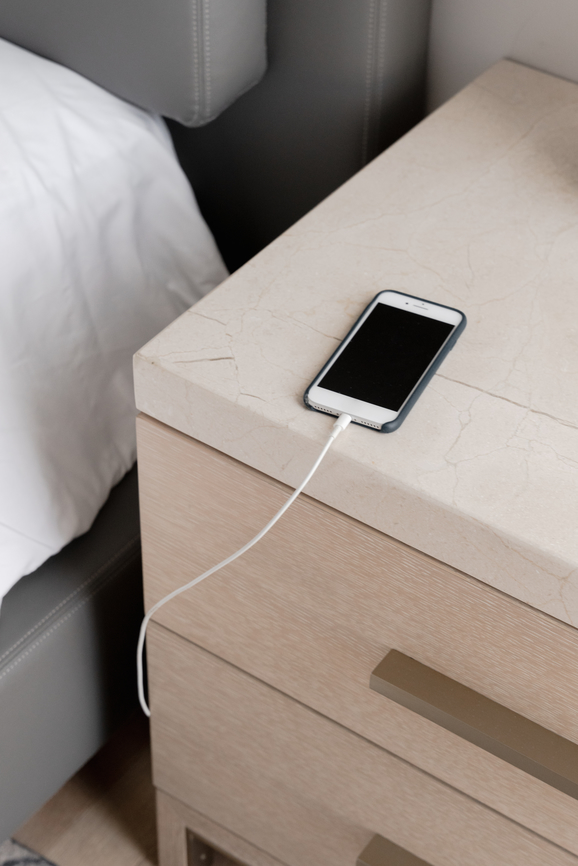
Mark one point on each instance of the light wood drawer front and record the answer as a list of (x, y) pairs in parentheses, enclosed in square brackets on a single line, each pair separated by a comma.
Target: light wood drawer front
[(316, 605), (301, 787)]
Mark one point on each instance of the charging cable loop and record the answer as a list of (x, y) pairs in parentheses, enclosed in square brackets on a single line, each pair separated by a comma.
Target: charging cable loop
[(342, 422)]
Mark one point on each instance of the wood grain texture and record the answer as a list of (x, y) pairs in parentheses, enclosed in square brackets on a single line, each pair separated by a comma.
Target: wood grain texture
[(175, 818), (302, 787), (317, 604)]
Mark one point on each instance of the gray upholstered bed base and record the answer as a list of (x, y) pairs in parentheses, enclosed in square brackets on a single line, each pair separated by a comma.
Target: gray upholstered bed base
[(68, 635)]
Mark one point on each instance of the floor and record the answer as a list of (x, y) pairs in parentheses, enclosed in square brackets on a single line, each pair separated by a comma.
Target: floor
[(104, 816)]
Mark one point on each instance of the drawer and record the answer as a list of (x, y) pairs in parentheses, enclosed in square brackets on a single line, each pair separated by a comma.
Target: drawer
[(301, 787), (315, 606)]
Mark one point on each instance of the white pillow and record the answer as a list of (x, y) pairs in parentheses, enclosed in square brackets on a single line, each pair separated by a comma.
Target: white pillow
[(101, 246)]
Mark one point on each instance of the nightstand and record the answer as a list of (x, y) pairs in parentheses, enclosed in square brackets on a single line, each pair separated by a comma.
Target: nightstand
[(391, 675)]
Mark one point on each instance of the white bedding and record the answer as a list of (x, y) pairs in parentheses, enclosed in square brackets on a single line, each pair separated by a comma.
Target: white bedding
[(101, 246)]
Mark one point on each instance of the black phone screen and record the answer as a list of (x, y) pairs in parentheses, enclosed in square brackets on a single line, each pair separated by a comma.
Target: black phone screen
[(387, 357)]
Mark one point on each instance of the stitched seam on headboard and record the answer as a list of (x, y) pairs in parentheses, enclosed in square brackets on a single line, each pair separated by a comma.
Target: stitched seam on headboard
[(381, 59), (207, 34), (368, 81), (196, 63), (374, 77)]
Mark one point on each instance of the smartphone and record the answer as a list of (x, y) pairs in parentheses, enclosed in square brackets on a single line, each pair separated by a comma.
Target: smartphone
[(386, 360)]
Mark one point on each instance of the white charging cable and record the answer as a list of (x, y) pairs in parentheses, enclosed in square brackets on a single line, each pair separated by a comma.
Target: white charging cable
[(342, 422)]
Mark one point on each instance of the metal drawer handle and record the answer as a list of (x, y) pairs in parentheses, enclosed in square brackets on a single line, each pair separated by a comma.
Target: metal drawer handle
[(382, 852), (481, 721)]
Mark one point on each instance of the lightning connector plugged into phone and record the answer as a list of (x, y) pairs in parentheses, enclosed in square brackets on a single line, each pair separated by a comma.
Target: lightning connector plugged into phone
[(379, 370)]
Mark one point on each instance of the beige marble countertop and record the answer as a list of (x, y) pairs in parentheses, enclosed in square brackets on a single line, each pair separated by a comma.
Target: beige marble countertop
[(476, 208)]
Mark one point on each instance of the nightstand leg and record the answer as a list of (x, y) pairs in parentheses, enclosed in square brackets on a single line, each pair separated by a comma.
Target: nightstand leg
[(172, 833), (178, 846), (181, 835)]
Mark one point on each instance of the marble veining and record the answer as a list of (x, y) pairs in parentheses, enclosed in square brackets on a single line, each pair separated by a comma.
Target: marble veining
[(477, 208)]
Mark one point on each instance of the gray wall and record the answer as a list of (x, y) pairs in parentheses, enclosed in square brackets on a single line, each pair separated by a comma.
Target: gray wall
[(467, 36)]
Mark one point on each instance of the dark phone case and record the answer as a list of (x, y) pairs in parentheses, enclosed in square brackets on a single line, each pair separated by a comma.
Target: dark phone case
[(393, 425)]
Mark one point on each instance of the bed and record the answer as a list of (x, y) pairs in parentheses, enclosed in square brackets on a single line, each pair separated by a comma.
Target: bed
[(70, 522), (102, 245)]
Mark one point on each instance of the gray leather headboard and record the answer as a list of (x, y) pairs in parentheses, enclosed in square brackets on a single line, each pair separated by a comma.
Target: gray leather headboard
[(186, 59), (346, 78)]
